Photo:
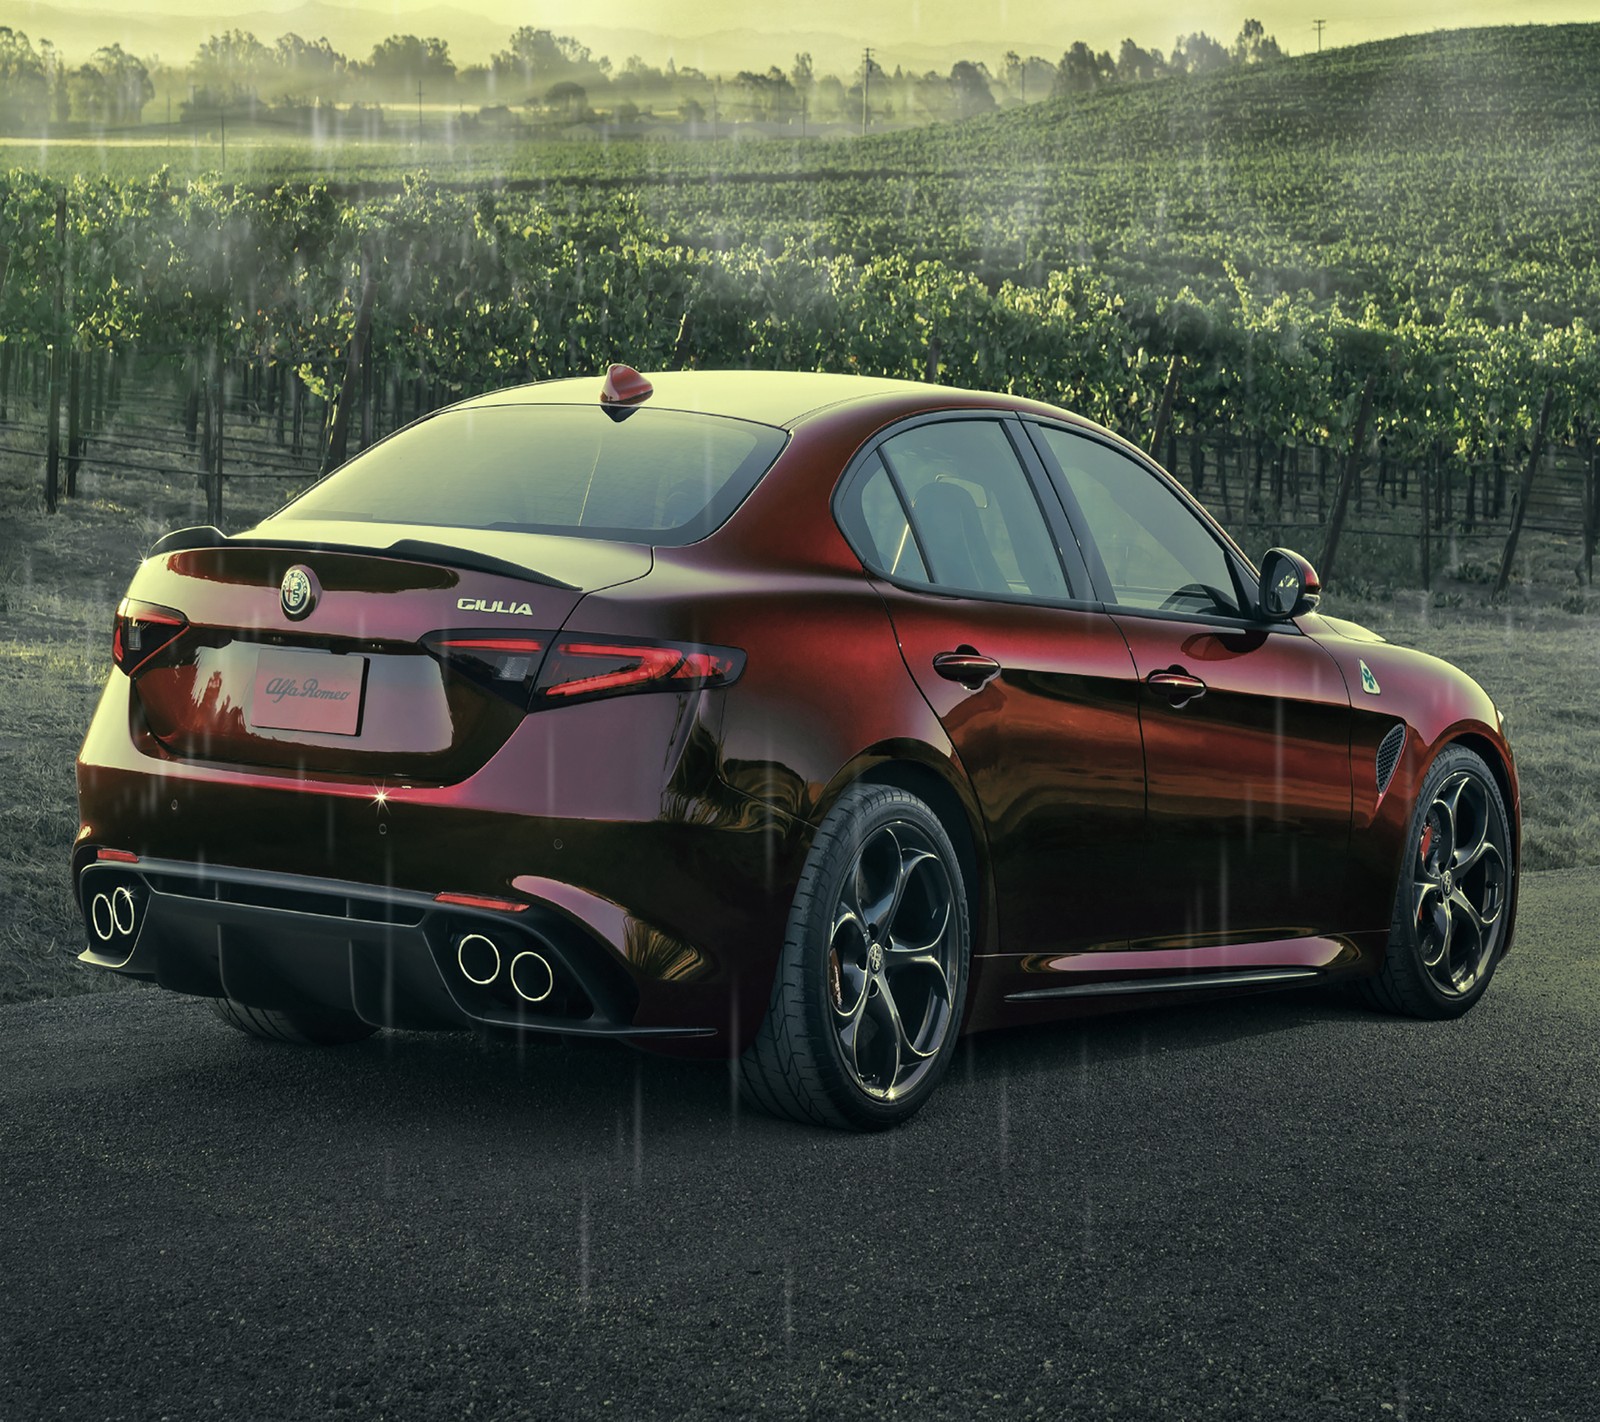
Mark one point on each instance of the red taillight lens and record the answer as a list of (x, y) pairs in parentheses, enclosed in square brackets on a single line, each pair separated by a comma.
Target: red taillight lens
[(506, 664), (142, 629), (601, 666), (482, 901)]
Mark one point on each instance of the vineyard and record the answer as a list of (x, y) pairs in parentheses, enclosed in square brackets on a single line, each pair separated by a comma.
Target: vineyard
[(1237, 269)]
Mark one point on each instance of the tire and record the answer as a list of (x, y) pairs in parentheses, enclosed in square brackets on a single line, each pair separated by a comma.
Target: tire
[(312, 1028), (1449, 926), (871, 983)]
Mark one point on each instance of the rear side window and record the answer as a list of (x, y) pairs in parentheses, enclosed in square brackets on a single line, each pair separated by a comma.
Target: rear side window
[(641, 475), (878, 525), (949, 504)]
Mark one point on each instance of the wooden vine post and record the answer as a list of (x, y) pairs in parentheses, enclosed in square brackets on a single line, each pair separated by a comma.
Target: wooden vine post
[(1169, 393), (74, 420), (1423, 490), (339, 434), (1347, 479), (52, 459), (1519, 513), (213, 461)]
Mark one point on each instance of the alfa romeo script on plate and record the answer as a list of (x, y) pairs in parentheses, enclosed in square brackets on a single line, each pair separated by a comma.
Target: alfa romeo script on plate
[(307, 691)]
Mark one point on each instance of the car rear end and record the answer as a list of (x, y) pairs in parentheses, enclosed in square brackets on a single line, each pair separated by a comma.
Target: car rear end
[(367, 756)]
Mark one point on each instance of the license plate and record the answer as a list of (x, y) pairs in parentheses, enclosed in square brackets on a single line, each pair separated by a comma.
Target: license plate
[(307, 691)]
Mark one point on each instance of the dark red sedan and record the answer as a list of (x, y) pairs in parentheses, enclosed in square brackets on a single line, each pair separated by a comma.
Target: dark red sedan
[(807, 719)]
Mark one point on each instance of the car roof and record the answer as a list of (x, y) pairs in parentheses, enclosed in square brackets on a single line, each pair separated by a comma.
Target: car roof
[(771, 397)]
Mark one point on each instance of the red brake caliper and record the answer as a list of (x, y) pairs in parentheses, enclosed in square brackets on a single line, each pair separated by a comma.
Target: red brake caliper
[(1427, 844)]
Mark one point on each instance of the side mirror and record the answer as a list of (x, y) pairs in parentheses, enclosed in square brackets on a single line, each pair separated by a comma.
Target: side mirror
[(1289, 585)]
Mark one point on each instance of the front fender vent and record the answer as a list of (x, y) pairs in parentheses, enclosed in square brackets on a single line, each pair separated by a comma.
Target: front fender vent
[(1389, 755)]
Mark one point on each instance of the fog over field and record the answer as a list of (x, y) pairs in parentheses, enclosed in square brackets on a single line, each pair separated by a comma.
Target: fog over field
[(728, 35)]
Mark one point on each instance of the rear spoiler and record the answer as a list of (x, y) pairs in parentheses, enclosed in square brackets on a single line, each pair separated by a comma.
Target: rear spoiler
[(411, 549)]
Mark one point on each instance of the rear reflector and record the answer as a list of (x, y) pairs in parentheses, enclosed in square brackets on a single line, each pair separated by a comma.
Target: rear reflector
[(480, 901), (140, 630), (118, 856)]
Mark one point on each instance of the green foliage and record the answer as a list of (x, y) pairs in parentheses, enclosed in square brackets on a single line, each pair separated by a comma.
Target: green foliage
[(1288, 230)]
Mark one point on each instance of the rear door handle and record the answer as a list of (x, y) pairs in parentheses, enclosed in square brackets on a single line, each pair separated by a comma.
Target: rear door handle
[(1176, 685), (967, 666)]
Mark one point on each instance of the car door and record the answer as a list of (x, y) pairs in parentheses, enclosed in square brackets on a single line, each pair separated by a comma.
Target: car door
[(1032, 681), (1246, 723)]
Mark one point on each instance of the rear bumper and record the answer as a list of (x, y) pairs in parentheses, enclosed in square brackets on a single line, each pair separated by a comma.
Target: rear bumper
[(639, 868), (288, 941)]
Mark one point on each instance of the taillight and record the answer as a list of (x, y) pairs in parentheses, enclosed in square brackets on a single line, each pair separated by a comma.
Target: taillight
[(506, 664), (579, 667), (142, 629), (530, 668)]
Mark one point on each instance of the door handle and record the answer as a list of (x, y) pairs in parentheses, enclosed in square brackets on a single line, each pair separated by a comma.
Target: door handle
[(1177, 686), (967, 666)]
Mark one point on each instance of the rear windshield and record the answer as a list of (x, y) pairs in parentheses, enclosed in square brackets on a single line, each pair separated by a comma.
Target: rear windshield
[(639, 475)]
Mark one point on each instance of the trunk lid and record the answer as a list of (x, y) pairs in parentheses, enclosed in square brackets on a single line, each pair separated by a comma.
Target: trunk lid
[(329, 669)]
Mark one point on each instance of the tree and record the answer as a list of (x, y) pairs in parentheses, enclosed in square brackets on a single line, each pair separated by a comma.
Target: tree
[(534, 55), (768, 95), (1078, 72), (1255, 45), (969, 87), (308, 59), (1135, 65), (567, 101), (24, 83), (803, 74), (112, 88), (408, 60), (1198, 54), (231, 65)]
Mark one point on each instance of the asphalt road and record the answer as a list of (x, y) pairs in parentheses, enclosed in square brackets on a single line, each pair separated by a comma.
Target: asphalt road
[(1277, 1207)]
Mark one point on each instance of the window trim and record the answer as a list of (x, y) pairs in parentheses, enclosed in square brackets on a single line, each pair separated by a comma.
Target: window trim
[(1073, 571), (1246, 577)]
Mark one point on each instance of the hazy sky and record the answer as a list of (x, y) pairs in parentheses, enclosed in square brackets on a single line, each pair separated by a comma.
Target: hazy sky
[(736, 33)]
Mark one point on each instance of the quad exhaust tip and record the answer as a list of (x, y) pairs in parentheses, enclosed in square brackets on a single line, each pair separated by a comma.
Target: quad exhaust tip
[(113, 915), (478, 957), (531, 976)]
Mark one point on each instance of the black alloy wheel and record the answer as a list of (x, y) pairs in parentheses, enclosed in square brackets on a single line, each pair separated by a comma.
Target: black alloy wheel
[(1450, 916), (868, 999)]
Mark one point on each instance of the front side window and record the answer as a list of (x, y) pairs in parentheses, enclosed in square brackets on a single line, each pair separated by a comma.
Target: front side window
[(646, 476), (1157, 554)]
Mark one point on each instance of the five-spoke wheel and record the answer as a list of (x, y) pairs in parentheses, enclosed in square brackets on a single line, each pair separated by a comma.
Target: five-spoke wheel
[(1449, 922), (889, 960), (868, 996)]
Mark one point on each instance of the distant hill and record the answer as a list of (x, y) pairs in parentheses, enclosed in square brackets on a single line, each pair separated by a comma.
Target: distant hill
[(1409, 170)]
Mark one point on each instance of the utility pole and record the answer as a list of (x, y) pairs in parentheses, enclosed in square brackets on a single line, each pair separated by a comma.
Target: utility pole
[(419, 113), (866, 88), (224, 118), (1319, 26)]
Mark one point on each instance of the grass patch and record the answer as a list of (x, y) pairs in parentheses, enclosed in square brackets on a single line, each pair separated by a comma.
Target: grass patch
[(61, 577)]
